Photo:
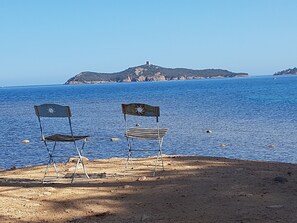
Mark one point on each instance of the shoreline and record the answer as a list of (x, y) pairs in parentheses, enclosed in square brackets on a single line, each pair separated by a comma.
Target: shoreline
[(165, 155), (191, 189)]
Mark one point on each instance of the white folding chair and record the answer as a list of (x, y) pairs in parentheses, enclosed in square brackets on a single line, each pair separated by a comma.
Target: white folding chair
[(131, 133), (46, 111)]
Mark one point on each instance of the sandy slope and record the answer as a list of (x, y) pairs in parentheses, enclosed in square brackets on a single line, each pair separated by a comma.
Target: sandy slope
[(191, 189)]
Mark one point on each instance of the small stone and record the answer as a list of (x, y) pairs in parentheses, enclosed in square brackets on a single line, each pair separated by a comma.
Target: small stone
[(25, 141), (115, 139), (74, 159), (271, 146), (143, 178), (13, 168)]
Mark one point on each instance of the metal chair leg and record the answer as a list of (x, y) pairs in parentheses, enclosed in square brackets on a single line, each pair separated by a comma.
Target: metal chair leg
[(79, 161)]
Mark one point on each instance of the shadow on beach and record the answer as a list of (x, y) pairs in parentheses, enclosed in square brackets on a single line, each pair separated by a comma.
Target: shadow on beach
[(191, 189)]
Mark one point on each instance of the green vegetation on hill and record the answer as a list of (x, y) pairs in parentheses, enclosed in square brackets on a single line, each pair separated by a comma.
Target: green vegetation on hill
[(288, 71), (150, 72)]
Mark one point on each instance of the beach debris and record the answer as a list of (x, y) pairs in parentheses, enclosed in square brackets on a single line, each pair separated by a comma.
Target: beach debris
[(137, 124), (127, 186), (25, 141), (115, 139), (280, 179), (208, 131)]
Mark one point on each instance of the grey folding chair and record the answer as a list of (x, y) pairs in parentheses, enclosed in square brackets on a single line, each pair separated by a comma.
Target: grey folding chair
[(51, 111), (156, 133)]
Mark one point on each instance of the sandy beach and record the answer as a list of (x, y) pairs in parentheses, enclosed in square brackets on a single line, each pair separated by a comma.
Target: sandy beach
[(191, 189)]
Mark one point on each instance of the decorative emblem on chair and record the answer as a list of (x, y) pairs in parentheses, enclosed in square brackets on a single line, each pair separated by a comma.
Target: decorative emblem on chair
[(140, 109), (51, 110)]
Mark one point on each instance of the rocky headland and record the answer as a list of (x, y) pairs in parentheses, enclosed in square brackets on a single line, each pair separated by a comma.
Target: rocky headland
[(150, 72), (291, 71)]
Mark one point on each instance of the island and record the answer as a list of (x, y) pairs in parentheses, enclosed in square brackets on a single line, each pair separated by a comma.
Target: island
[(292, 71), (150, 72)]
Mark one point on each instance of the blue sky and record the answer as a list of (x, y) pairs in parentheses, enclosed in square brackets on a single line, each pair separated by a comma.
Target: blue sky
[(49, 41)]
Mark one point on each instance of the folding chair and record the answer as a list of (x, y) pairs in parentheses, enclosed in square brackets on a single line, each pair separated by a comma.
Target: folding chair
[(51, 111), (141, 133)]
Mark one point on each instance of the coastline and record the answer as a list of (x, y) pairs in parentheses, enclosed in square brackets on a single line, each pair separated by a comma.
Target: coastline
[(191, 189)]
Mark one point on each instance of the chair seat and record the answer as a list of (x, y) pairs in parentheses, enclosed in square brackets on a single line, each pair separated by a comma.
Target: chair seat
[(64, 138), (146, 133)]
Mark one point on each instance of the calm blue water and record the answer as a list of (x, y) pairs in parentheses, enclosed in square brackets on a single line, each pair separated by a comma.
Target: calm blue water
[(255, 118)]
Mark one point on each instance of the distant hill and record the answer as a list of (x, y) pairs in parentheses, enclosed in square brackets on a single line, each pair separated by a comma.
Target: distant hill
[(288, 71), (150, 72)]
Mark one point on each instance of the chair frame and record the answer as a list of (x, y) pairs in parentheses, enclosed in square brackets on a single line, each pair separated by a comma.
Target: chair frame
[(144, 110), (59, 111)]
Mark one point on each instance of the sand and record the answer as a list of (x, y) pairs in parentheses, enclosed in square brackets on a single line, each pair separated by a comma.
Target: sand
[(191, 189)]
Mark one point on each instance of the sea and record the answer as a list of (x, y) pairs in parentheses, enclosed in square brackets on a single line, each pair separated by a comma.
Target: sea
[(249, 118)]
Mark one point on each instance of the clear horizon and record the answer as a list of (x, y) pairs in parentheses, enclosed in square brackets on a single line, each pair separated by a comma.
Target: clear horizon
[(48, 42)]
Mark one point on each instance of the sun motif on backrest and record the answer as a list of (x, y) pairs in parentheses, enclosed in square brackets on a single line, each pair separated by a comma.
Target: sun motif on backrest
[(51, 110), (140, 109)]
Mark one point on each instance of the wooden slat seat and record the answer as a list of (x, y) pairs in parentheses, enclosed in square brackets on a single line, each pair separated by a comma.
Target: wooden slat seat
[(146, 133)]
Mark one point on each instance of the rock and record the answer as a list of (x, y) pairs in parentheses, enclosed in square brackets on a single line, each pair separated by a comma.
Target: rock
[(75, 158), (25, 141), (280, 180), (13, 168), (271, 146), (143, 178), (115, 139)]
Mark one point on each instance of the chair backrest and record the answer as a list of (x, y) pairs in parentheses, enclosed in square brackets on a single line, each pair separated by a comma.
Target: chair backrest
[(52, 111), (138, 109)]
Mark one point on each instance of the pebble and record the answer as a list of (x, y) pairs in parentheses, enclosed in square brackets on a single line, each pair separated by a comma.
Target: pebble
[(143, 178), (74, 159), (271, 146), (223, 145), (25, 141)]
